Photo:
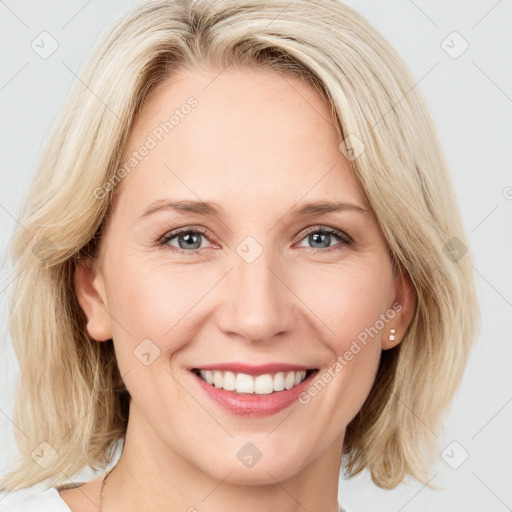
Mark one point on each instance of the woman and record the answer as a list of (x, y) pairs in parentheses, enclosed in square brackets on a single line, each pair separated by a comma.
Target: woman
[(241, 262)]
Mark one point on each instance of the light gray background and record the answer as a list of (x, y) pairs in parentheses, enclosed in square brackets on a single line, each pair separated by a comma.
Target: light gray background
[(471, 101)]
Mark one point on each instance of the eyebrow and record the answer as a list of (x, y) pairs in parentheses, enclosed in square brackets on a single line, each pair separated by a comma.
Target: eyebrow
[(215, 210)]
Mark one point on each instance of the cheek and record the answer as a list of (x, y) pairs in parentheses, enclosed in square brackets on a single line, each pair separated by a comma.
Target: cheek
[(348, 299), (157, 302), (153, 312)]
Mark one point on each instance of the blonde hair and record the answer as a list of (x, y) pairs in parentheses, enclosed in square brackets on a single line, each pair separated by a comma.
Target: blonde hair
[(70, 394)]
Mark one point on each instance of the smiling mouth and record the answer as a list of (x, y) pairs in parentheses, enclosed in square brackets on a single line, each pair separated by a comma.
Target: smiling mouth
[(243, 383)]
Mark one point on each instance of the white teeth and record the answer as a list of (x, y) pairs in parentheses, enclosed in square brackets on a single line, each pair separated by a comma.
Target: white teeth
[(259, 385), (244, 383), (217, 379), (264, 384), (279, 381), (289, 380), (208, 376), (229, 383)]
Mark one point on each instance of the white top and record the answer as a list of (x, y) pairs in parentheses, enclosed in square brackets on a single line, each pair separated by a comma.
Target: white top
[(40, 498)]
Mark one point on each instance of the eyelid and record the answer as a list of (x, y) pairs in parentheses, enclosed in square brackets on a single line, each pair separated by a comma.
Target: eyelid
[(163, 240), (185, 229), (327, 229), (345, 239)]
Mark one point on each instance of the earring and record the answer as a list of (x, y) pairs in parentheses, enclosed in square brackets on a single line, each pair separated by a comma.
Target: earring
[(392, 335)]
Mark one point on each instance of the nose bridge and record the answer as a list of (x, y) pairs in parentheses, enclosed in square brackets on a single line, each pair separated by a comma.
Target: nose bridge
[(258, 304)]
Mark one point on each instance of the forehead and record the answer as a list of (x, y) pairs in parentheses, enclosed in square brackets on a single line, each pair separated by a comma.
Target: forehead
[(250, 133)]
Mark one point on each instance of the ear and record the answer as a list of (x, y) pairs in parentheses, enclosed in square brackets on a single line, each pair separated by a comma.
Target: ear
[(403, 304), (90, 292)]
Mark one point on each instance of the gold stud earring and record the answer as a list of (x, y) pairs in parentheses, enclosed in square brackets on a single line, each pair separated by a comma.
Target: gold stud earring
[(392, 335)]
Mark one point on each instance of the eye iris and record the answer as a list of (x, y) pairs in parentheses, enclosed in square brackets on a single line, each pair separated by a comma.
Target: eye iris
[(192, 239), (189, 237), (320, 237)]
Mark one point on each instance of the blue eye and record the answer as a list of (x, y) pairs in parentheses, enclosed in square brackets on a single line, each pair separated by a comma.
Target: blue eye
[(190, 240), (323, 236)]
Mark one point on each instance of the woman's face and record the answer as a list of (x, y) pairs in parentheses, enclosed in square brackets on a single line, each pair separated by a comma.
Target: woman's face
[(257, 283)]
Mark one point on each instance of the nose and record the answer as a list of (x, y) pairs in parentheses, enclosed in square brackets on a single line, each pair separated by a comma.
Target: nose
[(259, 303)]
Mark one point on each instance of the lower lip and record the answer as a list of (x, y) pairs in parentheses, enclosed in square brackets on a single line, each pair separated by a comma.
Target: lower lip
[(252, 404)]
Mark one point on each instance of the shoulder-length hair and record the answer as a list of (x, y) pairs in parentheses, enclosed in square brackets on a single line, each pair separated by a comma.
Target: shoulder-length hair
[(70, 396)]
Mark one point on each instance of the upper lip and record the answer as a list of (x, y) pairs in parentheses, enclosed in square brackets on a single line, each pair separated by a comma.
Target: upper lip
[(260, 369)]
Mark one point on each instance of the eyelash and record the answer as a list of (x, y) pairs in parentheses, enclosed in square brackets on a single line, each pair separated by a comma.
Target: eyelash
[(345, 240)]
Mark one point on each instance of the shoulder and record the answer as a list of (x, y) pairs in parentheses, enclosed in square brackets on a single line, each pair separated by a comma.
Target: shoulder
[(38, 498)]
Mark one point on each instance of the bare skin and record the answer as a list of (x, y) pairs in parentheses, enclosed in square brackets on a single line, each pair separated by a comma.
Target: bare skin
[(85, 497), (258, 144)]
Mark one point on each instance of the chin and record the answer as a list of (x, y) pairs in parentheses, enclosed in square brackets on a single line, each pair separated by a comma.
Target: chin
[(261, 474), (250, 466)]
